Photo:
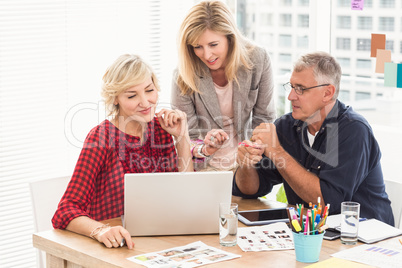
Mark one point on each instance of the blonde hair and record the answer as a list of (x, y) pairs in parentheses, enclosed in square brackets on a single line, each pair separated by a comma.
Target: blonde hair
[(125, 72), (214, 16), (326, 69)]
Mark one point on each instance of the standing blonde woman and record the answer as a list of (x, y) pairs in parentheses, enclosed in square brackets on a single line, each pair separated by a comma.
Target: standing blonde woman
[(223, 83), (135, 140)]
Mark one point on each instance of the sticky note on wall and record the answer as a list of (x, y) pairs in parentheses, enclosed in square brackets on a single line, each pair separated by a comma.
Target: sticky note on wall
[(377, 42), (399, 76), (390, 74), (357, 4), (383, 56)]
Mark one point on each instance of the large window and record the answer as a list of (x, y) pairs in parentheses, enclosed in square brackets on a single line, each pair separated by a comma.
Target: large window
[(346, 34), (364, 89)]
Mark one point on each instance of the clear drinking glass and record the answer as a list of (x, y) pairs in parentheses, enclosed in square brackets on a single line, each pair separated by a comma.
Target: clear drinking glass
[(349, 222), (228, 224)]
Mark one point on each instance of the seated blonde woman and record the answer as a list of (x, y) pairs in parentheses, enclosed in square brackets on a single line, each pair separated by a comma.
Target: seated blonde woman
[(135, 140)]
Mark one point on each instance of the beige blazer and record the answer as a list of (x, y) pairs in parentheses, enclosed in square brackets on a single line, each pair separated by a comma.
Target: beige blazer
[(253, 100)]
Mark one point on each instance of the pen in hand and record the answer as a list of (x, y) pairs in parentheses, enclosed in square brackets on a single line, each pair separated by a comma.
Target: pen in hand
[(249, 145)]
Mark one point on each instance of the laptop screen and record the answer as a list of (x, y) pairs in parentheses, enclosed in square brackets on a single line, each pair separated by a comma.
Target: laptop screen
[(176, 202)]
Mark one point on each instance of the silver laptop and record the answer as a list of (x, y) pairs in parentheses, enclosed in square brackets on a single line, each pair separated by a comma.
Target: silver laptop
[(175, 203)]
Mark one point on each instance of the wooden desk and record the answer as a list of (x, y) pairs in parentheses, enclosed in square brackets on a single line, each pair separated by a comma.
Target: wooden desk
[(67, 249)]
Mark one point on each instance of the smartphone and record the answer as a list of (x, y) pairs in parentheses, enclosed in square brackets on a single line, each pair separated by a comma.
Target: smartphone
[(263, 216), (331, 234)]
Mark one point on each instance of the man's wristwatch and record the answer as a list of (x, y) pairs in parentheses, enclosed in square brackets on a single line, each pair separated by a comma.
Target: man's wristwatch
[(199, 151)]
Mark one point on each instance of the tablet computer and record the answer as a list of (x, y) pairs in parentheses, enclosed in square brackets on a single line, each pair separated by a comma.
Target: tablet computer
[(263, 216)]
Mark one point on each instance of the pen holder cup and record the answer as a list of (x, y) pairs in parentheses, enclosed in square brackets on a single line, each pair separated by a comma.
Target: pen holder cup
[(307, 247)]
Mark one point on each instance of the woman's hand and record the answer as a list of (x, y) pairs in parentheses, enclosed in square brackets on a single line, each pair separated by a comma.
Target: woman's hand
[(214, 139), (114, 237), (174, 122)]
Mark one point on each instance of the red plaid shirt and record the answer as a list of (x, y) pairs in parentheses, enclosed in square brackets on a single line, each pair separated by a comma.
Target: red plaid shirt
[(96, 188)]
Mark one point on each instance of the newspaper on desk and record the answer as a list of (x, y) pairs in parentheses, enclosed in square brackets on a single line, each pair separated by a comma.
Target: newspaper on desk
[(191, 255), (275, 236)]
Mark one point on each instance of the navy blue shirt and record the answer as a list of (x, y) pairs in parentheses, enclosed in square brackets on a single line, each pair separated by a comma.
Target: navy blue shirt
[(345, 156)]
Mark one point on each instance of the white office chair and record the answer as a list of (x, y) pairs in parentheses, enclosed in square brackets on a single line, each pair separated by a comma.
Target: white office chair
[(45, 195), (394, 191)]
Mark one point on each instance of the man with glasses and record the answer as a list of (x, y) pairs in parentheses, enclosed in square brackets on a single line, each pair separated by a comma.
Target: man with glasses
[(323, 148)]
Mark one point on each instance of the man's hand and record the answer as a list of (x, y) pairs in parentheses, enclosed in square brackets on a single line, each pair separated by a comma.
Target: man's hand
[(249, 153), (266, 134)]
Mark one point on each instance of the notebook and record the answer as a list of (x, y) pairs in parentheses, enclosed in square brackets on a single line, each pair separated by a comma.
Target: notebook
[(175, 203), (370, 231)]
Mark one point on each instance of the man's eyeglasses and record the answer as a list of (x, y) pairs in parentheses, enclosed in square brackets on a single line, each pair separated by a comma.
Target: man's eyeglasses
[(298, 89)]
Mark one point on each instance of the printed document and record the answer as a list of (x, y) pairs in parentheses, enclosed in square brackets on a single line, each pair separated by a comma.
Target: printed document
[(275, 236), (191, 255)]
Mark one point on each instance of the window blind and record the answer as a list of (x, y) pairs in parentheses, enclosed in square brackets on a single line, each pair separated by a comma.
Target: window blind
[(33, 85), (52, 57)]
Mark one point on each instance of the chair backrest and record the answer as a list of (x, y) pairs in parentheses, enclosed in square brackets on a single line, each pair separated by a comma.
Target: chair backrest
[(394, 191), (45, 195)]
